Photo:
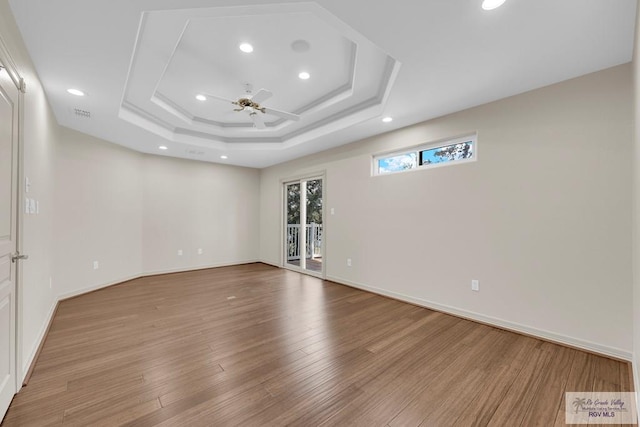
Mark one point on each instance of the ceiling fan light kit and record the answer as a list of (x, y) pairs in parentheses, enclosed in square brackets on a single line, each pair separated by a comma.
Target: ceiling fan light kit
[(250, 104)]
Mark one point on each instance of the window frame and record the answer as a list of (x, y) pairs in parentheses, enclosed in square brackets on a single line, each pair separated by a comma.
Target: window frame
[(418, 149)]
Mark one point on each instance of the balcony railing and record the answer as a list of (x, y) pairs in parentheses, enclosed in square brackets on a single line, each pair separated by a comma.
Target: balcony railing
[(313, 239)]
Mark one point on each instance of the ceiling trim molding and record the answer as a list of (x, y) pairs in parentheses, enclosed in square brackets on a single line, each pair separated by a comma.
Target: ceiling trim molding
[(134, 53), (163, 101), (391, 69), (138, 112), (390, 72), (367, 103), (345, 89), (227, 140), (7, 62), (156, 110)]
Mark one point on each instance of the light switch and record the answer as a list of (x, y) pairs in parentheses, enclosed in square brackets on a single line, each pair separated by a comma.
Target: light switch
[(32, 206), (27, 205), (333, 211)]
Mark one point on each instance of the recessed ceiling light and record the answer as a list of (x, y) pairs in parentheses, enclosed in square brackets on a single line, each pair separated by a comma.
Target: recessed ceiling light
[(201, 97), (387, 119), (163, 147), (246, 48), (223, 157), (492, 4), (75, 92), (304, 75)]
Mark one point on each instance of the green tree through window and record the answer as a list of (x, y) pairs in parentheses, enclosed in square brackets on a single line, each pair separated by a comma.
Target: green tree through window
[(314, 202)]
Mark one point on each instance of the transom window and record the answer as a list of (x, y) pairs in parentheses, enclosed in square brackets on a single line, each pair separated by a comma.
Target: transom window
[(452, 151)]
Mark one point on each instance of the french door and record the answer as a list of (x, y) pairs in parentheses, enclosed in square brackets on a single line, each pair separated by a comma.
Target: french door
[(304, 226)]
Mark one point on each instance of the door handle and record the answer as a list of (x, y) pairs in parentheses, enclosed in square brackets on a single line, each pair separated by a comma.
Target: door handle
[(18, 256)]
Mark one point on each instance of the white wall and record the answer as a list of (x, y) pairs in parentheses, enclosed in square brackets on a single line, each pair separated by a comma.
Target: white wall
[(192, 205), (98, 213), (132, 212), (39, 141), (542, 219), (39, 136)]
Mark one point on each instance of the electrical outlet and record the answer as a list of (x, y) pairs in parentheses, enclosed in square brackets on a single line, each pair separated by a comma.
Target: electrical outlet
[(199, 251), (348, 262), (179, 252), (475, 285), (333, 211), (96, 265)]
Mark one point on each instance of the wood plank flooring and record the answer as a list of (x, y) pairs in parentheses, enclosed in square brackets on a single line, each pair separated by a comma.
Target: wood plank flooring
[(312, 264), (254, 345)]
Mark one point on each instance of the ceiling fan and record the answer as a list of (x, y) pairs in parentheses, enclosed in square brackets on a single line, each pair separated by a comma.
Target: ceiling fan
[(251, 104)]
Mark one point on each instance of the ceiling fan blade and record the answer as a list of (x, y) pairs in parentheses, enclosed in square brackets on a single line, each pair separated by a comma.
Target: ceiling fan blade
[(283, 114), (261, 95), (219, 98), (257, 120)]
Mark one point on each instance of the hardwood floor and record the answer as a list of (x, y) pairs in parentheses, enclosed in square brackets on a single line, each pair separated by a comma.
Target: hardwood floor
[(254, 345), (314, 264)]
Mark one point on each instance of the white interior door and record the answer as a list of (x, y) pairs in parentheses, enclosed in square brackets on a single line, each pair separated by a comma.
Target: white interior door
[(8, 237)]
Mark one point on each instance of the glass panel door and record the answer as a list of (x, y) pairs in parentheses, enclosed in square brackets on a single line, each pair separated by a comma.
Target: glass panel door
[(293, 237), (304, 231), (313, 261)]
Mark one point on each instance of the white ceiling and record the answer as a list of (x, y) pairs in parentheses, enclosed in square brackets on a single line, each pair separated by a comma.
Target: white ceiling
[(141, 63)]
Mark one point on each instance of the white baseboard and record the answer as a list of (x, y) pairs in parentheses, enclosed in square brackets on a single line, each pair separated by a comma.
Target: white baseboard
[(199, 267), (82, 291), (150, 273), (270, 263), (636, 382), (494, 321), (36, 345)]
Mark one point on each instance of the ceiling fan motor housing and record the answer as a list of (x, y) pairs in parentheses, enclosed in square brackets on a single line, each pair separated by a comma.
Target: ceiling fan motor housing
[(246, 102)]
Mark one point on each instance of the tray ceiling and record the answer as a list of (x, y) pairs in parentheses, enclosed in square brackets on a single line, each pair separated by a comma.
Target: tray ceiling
[(181, 54), (141, 64)]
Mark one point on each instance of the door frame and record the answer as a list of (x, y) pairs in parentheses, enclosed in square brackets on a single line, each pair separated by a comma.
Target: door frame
[(7, 62), (283, 221)]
